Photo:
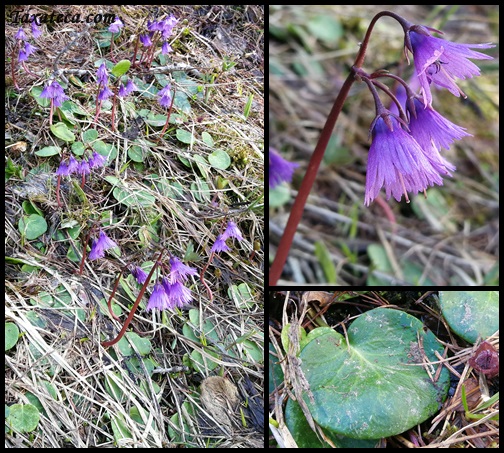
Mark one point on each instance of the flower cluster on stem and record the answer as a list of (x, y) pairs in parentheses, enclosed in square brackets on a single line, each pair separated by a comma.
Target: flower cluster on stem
[(405, 151), (82, 168), (157, 31), (231, 231), (172, 292), (24, 49)]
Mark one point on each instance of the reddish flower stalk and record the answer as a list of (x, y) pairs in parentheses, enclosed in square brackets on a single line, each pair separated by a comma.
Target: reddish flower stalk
[(109, 303), (169, 114), (135, 53), (58, 191), (81, 267), (202, 277), (114, 109), (106, 344), (13, 66)]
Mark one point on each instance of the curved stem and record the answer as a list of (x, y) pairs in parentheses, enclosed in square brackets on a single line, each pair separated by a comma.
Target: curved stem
[(362, 53), (109, 303), (106, 344)]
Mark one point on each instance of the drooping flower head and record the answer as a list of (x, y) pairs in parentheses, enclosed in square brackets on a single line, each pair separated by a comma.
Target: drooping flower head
[(55, 92), (219, 245), (126, 90), (25, 51), (105, 93), (68, 168), (115, 27), (165, 96), (100, 245), (159, 299), (167, 26), (36, 31), (166, 48), (83, 168), (430, 129), (63, 169), (145, 40), (441, 62), (102, 74), (232, 231), (139, 274), (97, 160), (21, 34), (397, 162), (178, 294), (73, 165), (279, 169), (179, 272)]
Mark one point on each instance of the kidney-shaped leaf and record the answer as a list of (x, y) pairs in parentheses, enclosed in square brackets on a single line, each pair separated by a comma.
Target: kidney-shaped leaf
[(471, 314), (376, 386)]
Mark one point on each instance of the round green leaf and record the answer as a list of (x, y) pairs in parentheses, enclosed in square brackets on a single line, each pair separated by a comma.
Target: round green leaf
[(11, 335), (36, 92), (48, 151), (32, 226), (207, 139), (78, 148), (285, 336), (121, 68), (143, 345), (61, 131), (202, 164), (66, 112), (376, 386), (105, 149), (135, 153), (156, 120), (279, 196), (253, 350), (185, 136), (90, 135), (23, 418), (471, 314), (219, 159)]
